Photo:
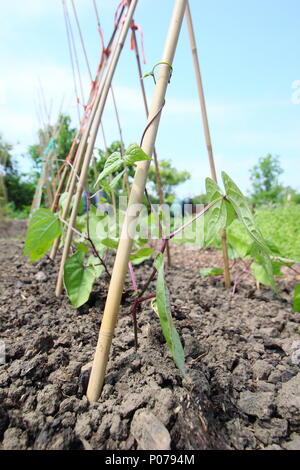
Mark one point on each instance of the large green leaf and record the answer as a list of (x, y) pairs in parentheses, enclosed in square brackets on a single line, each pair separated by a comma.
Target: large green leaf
[(44, 228), (231, 214), (114, 183), (243, 211), (63, 199), (262, 267), (78, 279), (110, 243), (239, 246), (141, 255), (134, 154), (166, 321), (216, 219), (113, 163), (296, 303), (211, 188), (220, 215), (97, 223)]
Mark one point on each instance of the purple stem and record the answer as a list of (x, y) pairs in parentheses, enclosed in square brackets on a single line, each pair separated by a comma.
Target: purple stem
[(172, 235), (132, 277), (149, 297), (72, 228)]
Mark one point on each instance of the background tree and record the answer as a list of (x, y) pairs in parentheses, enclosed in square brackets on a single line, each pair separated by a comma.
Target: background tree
[(65, 137), (170, 179), (18, 188), (265, 180), (5, 163), (17, 191)]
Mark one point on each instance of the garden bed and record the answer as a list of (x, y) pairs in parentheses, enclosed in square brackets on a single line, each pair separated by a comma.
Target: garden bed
[(242, 389)]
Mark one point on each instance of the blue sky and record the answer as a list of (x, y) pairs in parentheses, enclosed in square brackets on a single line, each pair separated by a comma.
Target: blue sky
[(249, 58)]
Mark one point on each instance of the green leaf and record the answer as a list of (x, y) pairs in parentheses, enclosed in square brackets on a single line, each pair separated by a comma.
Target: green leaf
[(114, 183), (239, 246), (296, 303), (134, 154), (110, 243), (44, 228), (63, 200), (210, 272), (78, 279), (216, 218), (141, 241), (272, 247), (96, 225), (276, 266), (113, 163), (259, 273), (95, 263), (243, 211), (81, 247), (166, 321), (211, 189), (231, 214), (141, 255), (262, 269)]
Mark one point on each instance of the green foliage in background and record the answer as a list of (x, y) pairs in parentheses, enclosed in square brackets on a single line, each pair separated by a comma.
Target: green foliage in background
[(170, 178), (280, 225), (265, 180)]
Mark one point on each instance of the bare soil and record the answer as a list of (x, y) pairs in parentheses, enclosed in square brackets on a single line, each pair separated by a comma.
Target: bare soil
[(242, 389)]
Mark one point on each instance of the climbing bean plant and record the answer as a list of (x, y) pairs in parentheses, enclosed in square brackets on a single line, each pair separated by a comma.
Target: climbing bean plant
[(88, 260)]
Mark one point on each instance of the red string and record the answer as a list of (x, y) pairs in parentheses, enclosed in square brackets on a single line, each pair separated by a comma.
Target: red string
[(101, 36), (89, 107), (123, 3), (136, 27)]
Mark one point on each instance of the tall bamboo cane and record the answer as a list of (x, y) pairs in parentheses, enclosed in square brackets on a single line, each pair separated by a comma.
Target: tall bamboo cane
[(206, 132), (157, 170), (90, 146), (138, 187)]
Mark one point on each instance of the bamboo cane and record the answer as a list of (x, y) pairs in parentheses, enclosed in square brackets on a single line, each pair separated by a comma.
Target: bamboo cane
[(157, 171), (90, 147), (137, 191), (206, 132), (78, 160)]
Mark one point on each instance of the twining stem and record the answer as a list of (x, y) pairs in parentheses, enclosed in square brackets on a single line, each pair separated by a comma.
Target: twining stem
[(151, 121)]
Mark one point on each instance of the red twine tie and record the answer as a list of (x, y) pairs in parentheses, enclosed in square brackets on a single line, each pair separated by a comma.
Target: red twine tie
[(136, 27)]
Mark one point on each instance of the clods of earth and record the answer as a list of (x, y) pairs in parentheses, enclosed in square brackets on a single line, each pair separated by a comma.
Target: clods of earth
[(242, 389)]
